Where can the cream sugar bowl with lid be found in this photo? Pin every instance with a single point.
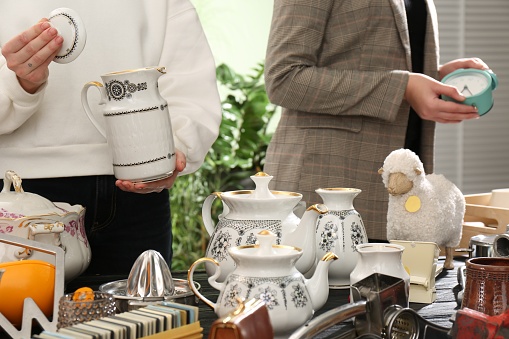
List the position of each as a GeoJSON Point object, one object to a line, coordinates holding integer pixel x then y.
{"type": "Point", "coordinates": [34, 217]}
{"type": "Point", "coordinates": [247, 212]}
{"type": "Point", "coordinates": [267, 271]}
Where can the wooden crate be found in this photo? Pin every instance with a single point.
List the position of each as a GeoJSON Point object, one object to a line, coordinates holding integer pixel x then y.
{"type": "Point", "coordinates": [480, 218]}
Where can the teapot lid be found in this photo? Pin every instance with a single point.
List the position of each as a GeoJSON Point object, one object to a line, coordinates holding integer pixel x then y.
{"type": "Point", "coordinates": [18, 203]}
{"type": "Point", "coordinates": [261, 180]}
{"type": "Point", "coordinates": [262, 191]}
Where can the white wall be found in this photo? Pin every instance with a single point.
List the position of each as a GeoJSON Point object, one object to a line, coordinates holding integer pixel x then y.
{"type": "Point", "coordinates": [474, 154]}
{"type": "Point", "coordinates": [237, 30]}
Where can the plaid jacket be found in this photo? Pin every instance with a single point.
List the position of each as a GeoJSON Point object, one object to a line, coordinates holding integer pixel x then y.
{"type": "Point", "coordinates": [339, 69]}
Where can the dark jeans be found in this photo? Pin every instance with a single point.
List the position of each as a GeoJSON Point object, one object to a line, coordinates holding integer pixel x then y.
{"type": "Point", "coordinates": [119, 225]}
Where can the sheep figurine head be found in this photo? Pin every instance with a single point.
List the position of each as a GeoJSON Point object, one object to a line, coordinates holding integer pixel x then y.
{"type": "Point", "coordinates": [422, 207]}
{"type": "Point", "coordinates": [401, 169]}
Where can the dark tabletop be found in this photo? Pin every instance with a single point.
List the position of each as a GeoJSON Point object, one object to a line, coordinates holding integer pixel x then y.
{"type": "Point", "coordinates": [438, 313]}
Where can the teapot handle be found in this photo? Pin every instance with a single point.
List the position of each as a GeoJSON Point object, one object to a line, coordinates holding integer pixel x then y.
{"type": "Point", "coordinates": [35, 228]}
{"type": "Point", "coordinates": [206, 212]}
{"type": "Point", "coordinates": [86, 106]}
{"type": "Point", "coordinates": [212, 280]}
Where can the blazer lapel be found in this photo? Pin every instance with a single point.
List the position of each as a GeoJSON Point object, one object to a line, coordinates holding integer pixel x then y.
{"type": "Point", "coordinates": [398, 8]}
{"type": "Point", "coordinates": [431, 50]}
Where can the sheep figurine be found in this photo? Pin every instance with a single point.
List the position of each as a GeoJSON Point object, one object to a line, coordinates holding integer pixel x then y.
{"type": "Point", "coordinates": [422, 207]}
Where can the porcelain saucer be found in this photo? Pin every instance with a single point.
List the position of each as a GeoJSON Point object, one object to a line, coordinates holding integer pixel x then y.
{"type": "Point", "coordinates": [71, 28]}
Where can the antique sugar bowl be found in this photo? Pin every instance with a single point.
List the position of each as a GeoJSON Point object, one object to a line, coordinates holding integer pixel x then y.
{"type": "Point", "coordinates": [267, 271]}
{"type": "Point", "coordinates": [33, 217]}
{"type": "Point", "coordinates": [247, 212]}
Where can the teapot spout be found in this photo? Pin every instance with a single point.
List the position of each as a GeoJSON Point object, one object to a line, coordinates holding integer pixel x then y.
{"type": "Point", "coordinates": [318, 284]}
{"type": "Point", "coordinates": [303, 237]}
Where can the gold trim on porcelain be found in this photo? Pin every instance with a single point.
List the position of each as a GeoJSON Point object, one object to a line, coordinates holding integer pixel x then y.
{"type": "Point", "coordinates": [273, 246]}
{"type": "Point", "coordinates": [262, 174]}
{"type": "Point", "coordinates": [28, 218]}
{"type": "Point", "coordinates": [191, 284]}
{"type": "Point", "coordinates": [161, 69]}
{"type": "Point", "coordinates": [95, 83]}
{"type": "Point", "coordinates": [339, 189]}
{"type": "Point", "coordinates": [293, 194]}
{"type": "Point", "coordinates": [318, 208]}
{"type": "Point", "coordinates": [329, 256]}
{"type": "Point", "coordinates": [238, 192]}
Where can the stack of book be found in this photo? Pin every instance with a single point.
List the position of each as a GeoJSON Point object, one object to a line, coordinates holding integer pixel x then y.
{"type": "Point", "coordinates": [165, 320]}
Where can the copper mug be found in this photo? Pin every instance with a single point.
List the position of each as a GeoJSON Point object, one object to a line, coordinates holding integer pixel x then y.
{"type": "Point", "coordinates": [486, 286]}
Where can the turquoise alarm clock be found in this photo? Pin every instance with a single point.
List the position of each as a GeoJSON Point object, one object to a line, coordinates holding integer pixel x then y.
{"type": "Point", "coordinates": [475, 85]}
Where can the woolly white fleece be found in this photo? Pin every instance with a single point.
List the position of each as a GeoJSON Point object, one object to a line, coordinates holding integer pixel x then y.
{"type": "Point", "coordinates": [440, 218]}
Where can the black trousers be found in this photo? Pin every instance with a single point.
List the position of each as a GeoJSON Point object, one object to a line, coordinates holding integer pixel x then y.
{"type": "Point", "coordinates": [119, 225]}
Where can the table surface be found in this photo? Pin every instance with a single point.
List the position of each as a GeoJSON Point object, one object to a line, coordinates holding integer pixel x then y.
{"type": "Point", "coordinates": [438, 313]}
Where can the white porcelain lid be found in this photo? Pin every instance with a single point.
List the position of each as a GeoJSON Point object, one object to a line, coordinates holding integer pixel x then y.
{"type": "Point", "coordinates": [19, 202]}
{"type": "Point", "coordinates": [72, 29]}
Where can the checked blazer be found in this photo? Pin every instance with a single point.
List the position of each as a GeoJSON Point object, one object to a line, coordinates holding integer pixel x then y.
{"type": "Point", "coordinates": [339, 70]}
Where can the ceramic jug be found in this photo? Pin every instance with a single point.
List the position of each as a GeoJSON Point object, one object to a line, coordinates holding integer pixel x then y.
{"type": "Point", "coordinates": [247, 212]}
{"type": "Point", "coordinates": [267, 271]}
{"type": "Point", "coordinates": [340, 230]}
{"type": "Point", "coordinates": [137, 124]}
{"type": "Point", "coordinates": [380, 258]}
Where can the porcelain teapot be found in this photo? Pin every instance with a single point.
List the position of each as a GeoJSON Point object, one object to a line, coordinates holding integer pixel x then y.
{"type": "Point", "coordinates": [267, 271]}
{"type": "Point", "coordinates": [247, 212]}
{"type": "Point", "coordinates": [34, 217]}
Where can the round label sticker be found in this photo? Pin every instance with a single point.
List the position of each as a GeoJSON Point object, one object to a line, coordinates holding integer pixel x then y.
{"type": "Point", "coordinates": [413, 204]}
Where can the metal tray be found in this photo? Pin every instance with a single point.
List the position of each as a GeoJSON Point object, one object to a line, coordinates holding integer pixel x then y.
{"type": "Point", "coordinates": [183, 293]}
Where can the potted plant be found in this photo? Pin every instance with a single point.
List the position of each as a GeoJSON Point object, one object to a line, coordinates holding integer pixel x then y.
{"type": "Point", "coordinates": [238, 153]}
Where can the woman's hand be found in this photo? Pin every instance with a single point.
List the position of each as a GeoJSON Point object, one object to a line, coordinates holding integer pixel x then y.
{"type": "Point", "coordinates": [29, 54]}
{"type": "Point", "coordinates": [423, 94]}
{"type": "Point", "coordinates": [155, 186]}
{"type": "Point", "coordinates": [453, 65]}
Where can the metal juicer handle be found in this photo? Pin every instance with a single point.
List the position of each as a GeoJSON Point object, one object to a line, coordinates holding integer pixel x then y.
{"type": "Point", "coordinates": [329, 319]}
{"type": "Point", "coordinates": [407, 323]}
{"type": "Point", "coordinates": [461, 281]}
{"type": "Point", "coordinates": [399, 322]}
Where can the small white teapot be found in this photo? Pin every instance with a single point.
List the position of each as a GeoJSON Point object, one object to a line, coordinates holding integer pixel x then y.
{"type": "Point", "coordinates": [247, 212]}
{"type": "Point", "coordinates": [267, 272]}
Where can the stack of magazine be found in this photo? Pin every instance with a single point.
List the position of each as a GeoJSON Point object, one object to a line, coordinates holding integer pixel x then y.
{"type": "Point", "coordinates": [165, 320]}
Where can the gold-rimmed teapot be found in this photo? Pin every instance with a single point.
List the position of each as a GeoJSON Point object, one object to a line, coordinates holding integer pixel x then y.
{"type": "Point", "coordinates": [267, 272]}
{"type": "Point", "coordinates": [247, 212]}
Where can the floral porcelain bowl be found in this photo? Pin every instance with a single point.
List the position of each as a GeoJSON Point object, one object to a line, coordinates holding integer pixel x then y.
{"type": "Point", "coordinates": [33, 217]}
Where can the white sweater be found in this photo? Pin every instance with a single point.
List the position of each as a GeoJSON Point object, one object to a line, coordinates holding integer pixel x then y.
{"type": "Point", "coordinates": [47, 134]}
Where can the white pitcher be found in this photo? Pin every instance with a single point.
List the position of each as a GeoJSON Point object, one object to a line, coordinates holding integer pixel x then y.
{"type": "Point", "coordinates": [380, 258]}
{"type": "Point", "coordinates": [138, 125]}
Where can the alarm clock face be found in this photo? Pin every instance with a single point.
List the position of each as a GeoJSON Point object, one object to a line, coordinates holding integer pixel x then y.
{"type": "Point", "coordinates": [469, 84]}
{"type": "Point", "coordinates": [475, 85]}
